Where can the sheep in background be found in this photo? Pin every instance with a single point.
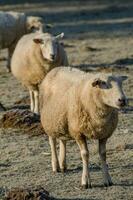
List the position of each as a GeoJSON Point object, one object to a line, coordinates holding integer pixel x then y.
{"type": "Point", "coordinates": [34, 56]}
{"type": "Point", "coordinates": [13, 26]}
{"type": "Point", "coordinates": [77, 105]}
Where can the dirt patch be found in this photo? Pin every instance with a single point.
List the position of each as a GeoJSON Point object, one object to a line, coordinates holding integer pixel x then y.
{"type": "Point", "coordinates": [28, 194]}
{"type": "Point", "coordinates": [23, 119]}
{"type": "Point", "coordinates": [19, 116]}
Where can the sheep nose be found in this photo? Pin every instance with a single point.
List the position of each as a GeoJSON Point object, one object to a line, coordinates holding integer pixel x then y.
{"type": "Point", "coordinates": [122, 102]}
{"type": "Point", "coordinates": [52, 56]}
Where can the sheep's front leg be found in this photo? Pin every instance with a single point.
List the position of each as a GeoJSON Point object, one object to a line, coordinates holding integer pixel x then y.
{"type": "Point", "coordinates": [10, 52]}
{"type": "Point", "coordinates": [36, 98]}
{"type": "Point", "coordinates": [8, 64]}
{"type": "Point", "coordinates": [102, 153]}
{"type": "Point", "coordinates": [32, 102]}
{"type": "Point", "coordinates": [85, 159]}
{"type": "Point", "coordinates": [62, 155]}
{"type": "Point", "coordinates": [55, 163]}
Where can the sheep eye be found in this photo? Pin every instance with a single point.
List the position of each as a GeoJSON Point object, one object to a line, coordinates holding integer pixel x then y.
{"type": "Point", "coordinates": [103, 82]}
{"type": "Point", "coordinates": [43, 43]}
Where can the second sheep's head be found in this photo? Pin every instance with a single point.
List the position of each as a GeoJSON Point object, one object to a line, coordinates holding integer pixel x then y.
{"type": "Point", "coordinates": [111, 90]}
{"type": "Point", "coordinates": [49, 45]}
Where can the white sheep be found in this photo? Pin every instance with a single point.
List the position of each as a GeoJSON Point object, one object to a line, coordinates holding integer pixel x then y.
{"type": "Point", "coordinates": [34, 56]}
{"type": "Point", "coordinates": [13, 25]}
{"type": "Point", "coordinates": [77, 105]}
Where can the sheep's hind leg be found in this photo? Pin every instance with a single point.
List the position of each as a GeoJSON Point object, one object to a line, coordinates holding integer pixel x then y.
{"type": "Point", "coordinates": [8, 64]}
{"type": "Point", "coordinates": [85, 159]}
{"type": "Point", "coordinates": [62, 155]}
{"type": "Point", "coordinates": [55, 163]}
{"type": "Point", "coordinates": [36, 100]}
{"type": "Point", "coordinates": [32, 101]}
{"type": "Point", "coordinates": [10, 52]}
{"type": "Point", "coordinates": [102, 153]}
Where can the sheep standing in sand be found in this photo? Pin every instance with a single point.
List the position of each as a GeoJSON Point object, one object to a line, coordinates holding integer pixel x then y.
{"type": "Point", "coordinates": [13, 26]}
{"type": "Point", "coordinates": [77, 105]}
{"type": "Point", "coordinates": [34, 56]}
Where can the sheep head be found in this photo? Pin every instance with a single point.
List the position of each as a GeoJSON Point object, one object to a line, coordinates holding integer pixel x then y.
{"type": "Point", "coordinates": [34, 24]}
{"type": "Point", "coordinates": [111, 91]}
{"type": "Point", "coordinates": [49, 45]}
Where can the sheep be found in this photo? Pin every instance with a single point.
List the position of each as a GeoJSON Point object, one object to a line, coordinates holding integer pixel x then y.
{"type": "Point", "coordinates": [13, 25]}
{"type": "Point", "coordinates": [34, 56]}
{"type": "Point", "coordinates": [78, 105]}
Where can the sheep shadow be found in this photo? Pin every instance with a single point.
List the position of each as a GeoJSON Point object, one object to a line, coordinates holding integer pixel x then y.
{"type": "Point", "coordinates": [93, 168]}
{"type": "Point", "coordinates": [119, 64]}
{"type": "Point", "coordinates": [124, 61]}
{"type": "Point", "coordinates": [5, 165]}
{"type": "Point", "coordinates": [123, 184]}
{"type": "Point", "coordinates": [97, 168]}
{"type": "Point", "coordinates": [129, 147]}
{"type": "Point", "coordinates": [76, 199]}
{"type": "Point", "coordinates": [107, 67]}
{"type": "Point", "coordinates": [127, 110]}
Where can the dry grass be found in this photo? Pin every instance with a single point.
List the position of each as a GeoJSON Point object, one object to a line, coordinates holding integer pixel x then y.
{"type": "Point", "coordinates": [98, 38]}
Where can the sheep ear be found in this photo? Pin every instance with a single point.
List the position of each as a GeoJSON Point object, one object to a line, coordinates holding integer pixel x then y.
{"type": "Point", "coordinates": [96, 82]}
{"type": "Point", "coordinates": [59, 36]}
{"type": "Point", "coordinates": [32, 28]}
{"type": "Point", "coordinates": [38, 40]}
{"type": "Point", "coordinates": [123, 78]}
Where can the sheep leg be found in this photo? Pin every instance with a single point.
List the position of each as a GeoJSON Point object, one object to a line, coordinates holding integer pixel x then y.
{"type": "Point", "coordinates": [8, 65]}
{"type": "Point", "coordinates": [10, 52]}
{"type": "Point", "coordinates": [62, 155]}
{"type": "Point", "coordinates": [85, 159]}
{"type": "Point", "coordinates": [102, 153]}
{"type": "Point", "coordinates": [9, 61]}
{"type": "Point", "coordinates": [36, 98]}
{"type": "Point", "coordinates": [55, 163]}
{"type": "Point", "coordinates": [31, 100]}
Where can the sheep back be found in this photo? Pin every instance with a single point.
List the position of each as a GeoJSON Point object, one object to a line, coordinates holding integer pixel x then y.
{"type": "Point", "coordinates": [12, 27]}
{"type": "Point", "coordinates": [28, 64]}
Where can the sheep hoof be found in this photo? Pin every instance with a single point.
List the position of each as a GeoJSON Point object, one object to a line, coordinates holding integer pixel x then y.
{"type": "Point", "coordinates": [56, 171]}
{"type": "Point", "coordinates": [85, 186]}
{"type": "Point", "coordinates": [111, 183]}
{"type": "Point", "coordinates": [108, 184]}
{"type": "Point", "coordinates": [63, 170]}
{"type": "Point", "coordinates": [8, 69]}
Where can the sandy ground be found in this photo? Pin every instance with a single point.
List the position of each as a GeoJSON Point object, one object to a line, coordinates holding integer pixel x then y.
{"type": "Point", "coordinates": [98, 37]}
